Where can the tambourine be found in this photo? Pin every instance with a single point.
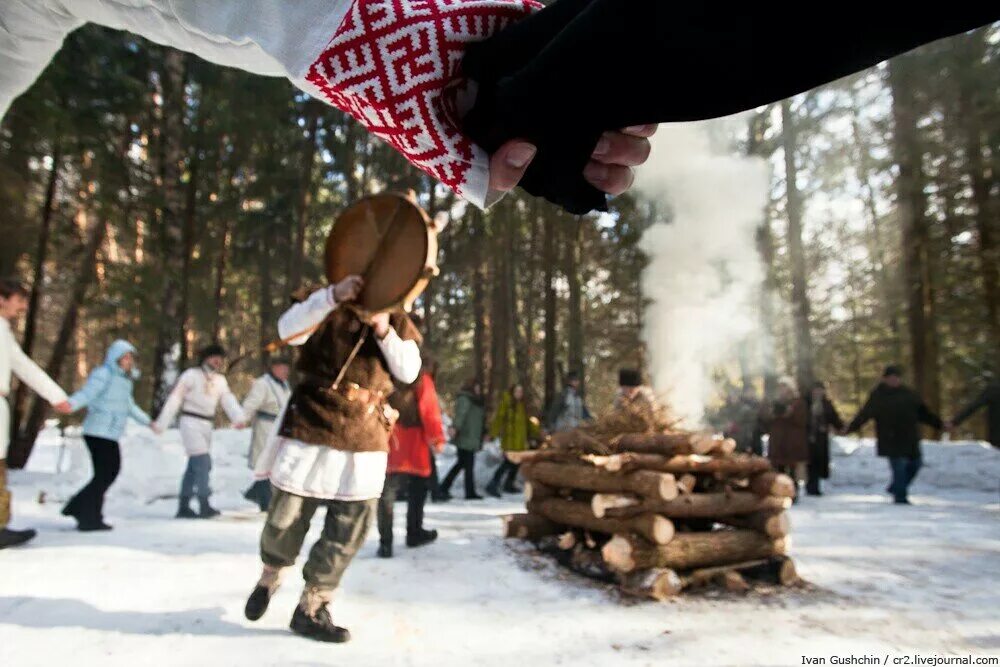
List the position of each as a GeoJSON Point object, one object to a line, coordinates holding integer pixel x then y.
{"type": "Point", "coordinates": [391, 242]}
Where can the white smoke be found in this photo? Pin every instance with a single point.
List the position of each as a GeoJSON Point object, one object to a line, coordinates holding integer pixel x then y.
{"type": "Point", "coordinates": [704, 269]}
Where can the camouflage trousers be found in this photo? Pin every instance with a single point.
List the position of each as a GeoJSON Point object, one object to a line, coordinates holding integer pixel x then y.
{"type": "Point", "coordinates": [4, 496]}
{"type": "Point", "coordinates": [344, 530]}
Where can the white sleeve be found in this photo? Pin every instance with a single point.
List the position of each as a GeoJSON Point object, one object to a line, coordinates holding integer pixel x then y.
{"type": "Point", "coordinates": [305, 316]}
{"type": "Point", "coordinates": [254, 398]}
{"type": "Point", "coordinates": [403, 357]}
{"type": "Point", "coordinates": [32, 375]}
{"type": "Point", "coordinates": [173, 405]}
{"type": "Point", "coordinates": [231, 405]}
{"type": "Point", "coordinates": [30, 35]}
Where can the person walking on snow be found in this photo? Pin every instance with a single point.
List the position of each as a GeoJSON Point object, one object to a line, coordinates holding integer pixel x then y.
{"type": "Point", "coordinates": [416, 437]}
{"type": "Point", "coordinates": [898, 412]}
{"type": "Point", "coordinates": [13, 361]}
{"type": "Point", "coordinates": [467, 433]}
{"type": "Point", "coordinates": [568, 410]}
{"type": "Point", "coordinates": [989, 398]}
{"type": "Point", "coordinates": [331, 446]}
{"type": "Point", "coordinates": [107, 396]}
{"type": "Point", "coordinates": [197, 396]}
{"type": "Point", "coordinates": [515, 427]}
{"type": "Point", "coordinates": [262, 405]}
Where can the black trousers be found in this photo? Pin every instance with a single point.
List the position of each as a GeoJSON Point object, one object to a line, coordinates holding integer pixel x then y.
{"type": "Point", "coordinates": [813, 479]}
{"type": "Point", "coordinates": [416, 497]}
{"type": "Point", "coordinates": [510, 469]}
{"type": "Point", "coordinates": [87, 506]}
{"type": "Point", "coordinates": [466, 464]}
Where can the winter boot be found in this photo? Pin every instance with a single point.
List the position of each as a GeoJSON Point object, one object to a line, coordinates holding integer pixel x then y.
{"type": "Point", "coordinates": [493, 489]}
{"type": "Point", "coordinates": [268, 583]}
{"type": "Point", "coordinates": [205, 510]}
{"type": "Point", "coordinates": [312, 618]}
{"type": "Point", "coordinates": [511, 487]}
{"type": "Point", "coordinates": [184, 510]}
{"type": "Point", "coordinates": [384, 550]}
{"type": "Point", "coordinates": [421, 538]}
{"type": "Point", "coordinates": [92, 526]}
{"type": "Point", "coordinates": [12, 538]}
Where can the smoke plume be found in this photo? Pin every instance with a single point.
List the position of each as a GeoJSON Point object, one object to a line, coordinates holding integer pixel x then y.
{"type": "Point", "coordinates": [704, 270]}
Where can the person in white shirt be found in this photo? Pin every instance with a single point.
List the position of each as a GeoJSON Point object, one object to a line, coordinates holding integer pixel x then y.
{"type": "Point", "coordinates": [331, 445]}
{"type": "Point", "coordinates": [197, 396]}
{"type": "Point", "coordinates": [262, 405]}
{"type": "Point", "coordinates": [13, 362]}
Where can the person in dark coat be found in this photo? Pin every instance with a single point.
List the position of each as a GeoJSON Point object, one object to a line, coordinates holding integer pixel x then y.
{"type": "Point", "coordinates": [823, 417]}
{"type": "Point", "coordinates": [898, 412]}
{"type": "Point", "coordinates": [786, 420]}
{"type": "Point", "coordinates": [989, 399]}
{"type": "Point", "coordinates": [743, 422]}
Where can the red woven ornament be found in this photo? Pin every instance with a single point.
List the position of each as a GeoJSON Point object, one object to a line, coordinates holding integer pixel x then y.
{"type": "Point", "coordinates": [394, 66]}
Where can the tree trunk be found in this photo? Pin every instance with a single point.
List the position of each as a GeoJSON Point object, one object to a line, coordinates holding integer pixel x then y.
{"type": "Point", "coordinates": [308, 160]}
{"type": "Point", "coordinates": [698, 505]}
{"type": "Point", "coordinates": [550, 260]}
{"type": "Point", "coordinates": [656, 529]}
{"type": "Point", "coordinates": [60, 350]}
{"type": "Point", "coordinates": [911, 206]}
{"type": "Point", "coordinates": [574, 334]}
{"type": "Point", "coordinates": [690, 550]}
{"type": "Point", "coordinates": [479, 334]}
{"type": "Point", "coordinates": [971, 107]}
{"type": "Point", "coordinates": [172, 248]}
{"type": "Point", "coordinates": [190, 216]}
{"type": "Point", "coordinates": [800, 296]}
{"type": "Point", "coordinates": [733, 466]}
{"type": "Point", "coordinates": [37, 285]}
{"type": "Point", "coordinates": [647, 483]}
{"type": "Point", "coordinates": [772, 524]}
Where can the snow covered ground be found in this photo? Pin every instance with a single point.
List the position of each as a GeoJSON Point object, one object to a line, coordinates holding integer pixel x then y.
{"type": "Point", "coordinates": [158, 591]}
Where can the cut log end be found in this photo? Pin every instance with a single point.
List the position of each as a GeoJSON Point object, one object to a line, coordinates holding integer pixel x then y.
{"type": "Point", "coordinates": [788, 575]}
{"type": "Point", "coordinates": [617, 553]}
{"type": "Point", "coordinates": [657, 583]}
{"type": "Point", "coordinates": [686, 483]}
{"type": "Point", "coordinates": [600, 503]}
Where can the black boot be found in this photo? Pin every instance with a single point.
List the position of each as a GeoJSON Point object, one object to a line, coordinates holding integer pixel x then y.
{"type": "Point", "coordinates": [262, 592]}
{"type": "Point", "coordinates": [420, 538]}
{"type": "Point", "coordinates": [184, 510]}
{"type": "Point", "coordinates": [511, 487]}
{"type": "Point", "coordinates": [12, 538]}
{"type": "Point", "coordinates": [384, 550]}
{"type": "Point", "coordinates": [92, 526]}
{"type": "Point", "coordinates": [312, 619]}
{"type": "Point", "coordinates": [205, 510]}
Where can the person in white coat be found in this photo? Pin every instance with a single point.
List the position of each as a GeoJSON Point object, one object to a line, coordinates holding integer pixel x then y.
{"type": "Point", "coordinates": [14, 362]}
{"type": "Point", "coordinates": [262, 405]}
{"type": "Point", "coordinates": [197, 396]}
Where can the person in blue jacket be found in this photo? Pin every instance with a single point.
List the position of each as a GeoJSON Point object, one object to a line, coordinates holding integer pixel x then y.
{"type": "Point", "coordinates": [107, 395]}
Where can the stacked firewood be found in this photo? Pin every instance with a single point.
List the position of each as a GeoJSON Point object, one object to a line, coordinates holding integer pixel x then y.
{"type": "Point", "coordinates": [658, 511]}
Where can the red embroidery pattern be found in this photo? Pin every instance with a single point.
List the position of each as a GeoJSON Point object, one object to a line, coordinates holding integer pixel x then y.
{"type": "Point", "coordinates": [390, 65]}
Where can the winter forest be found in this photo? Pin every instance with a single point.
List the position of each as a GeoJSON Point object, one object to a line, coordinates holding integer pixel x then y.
{"type": "Point", "coordinates": [635, 390]}
{"type": "Point", "coordinates": [149, 193]}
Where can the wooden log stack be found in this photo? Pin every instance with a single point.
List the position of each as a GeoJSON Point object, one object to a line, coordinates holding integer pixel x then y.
{"type": "Point", "coordinates": [658, 513]}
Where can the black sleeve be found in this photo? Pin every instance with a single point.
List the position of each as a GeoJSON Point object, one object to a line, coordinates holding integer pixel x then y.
{"type": "Point", "coordinates": [833, 417]}
{"type": "Point", "coordinates": [581, 67]}
{"type": "Point", "coordinates": [867, 412]}
{"type": "Point", "coordinates": [926, 416]}
{"type": "Point", "coordinates": [971, 408]}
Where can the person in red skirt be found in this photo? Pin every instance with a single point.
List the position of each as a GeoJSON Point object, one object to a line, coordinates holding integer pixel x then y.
{"type": "Point", "coordinates": [417, 432]}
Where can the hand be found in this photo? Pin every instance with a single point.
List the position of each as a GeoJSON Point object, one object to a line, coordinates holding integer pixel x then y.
{"type": "Point", "coordinates": [609, 170]}
{"type": "Point", "coordinates": [63, 408]}
{"type": "Point", "coordinates": [348, 289]}
{"type": "Point", "coordinates": [452, 432]}
{"type": "Point", "coordinates": [239, 426]}
{"type": "Point", "coordinates": [949, 425]}
{"type": "Point", "coordinates": [380, 323]}
{"type": "Point", "coordinates": [156, 428]}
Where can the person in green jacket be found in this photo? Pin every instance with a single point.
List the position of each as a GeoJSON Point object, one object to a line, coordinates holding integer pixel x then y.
{"type": "Point", "coordinates": [515, 427]}
{"type": "Point", "coordinates": [467, 431]}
